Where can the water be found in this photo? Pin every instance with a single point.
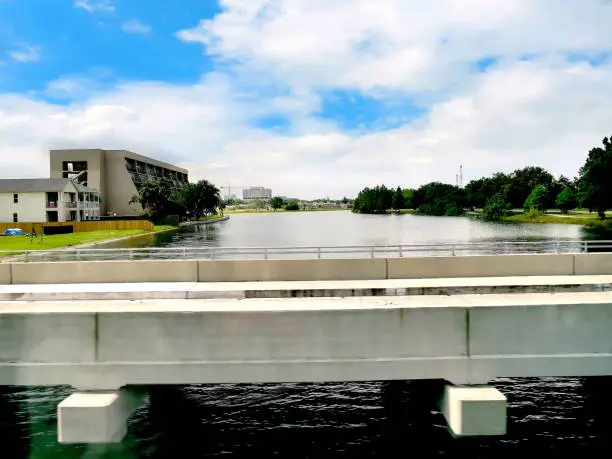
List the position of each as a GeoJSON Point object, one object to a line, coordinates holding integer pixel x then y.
{"type": "Point", "coordinates": [336, 420]}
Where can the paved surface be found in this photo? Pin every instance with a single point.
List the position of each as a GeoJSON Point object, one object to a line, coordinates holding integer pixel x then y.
{"type": "Point", "coordinates": [305, 304]}
{"type": "Point", "coordinates": [244, 290]}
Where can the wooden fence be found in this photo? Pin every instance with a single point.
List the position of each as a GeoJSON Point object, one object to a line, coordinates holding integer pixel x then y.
{"type": "Point", "coordinates": [80, 227]}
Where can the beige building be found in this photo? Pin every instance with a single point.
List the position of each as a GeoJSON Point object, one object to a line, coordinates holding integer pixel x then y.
{"type": "Point", "coordinates": [47, 200]}
{"type": "Point", "coordinates": [256, 193]}
{"type": "Point", "coordinates": [117, 174]}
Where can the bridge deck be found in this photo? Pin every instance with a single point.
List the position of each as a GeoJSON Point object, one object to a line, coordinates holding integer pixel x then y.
{"type": "Point", "coordinates": [105, 345]}
{"type": "Point", "coordinates": [359, 288]}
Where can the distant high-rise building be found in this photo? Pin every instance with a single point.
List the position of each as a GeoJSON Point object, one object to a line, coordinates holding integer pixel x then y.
{"type": "Point", "coordinates": [256, 192]}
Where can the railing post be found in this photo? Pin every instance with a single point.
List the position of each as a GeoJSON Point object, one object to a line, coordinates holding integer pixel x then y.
{"type": "Point", "coordinates": [558, 247]}
{"type": "Point", "coordinates": [372, 252]}
{"type": "Point", "coordinates": [78, 255]}
{"type": "Point", "coordinates": [25, 257]}
{"type": "Point", "coordinates": [400, 251]}
{"type": "Point", "coordinates": [131, 252]}
{"type": "Point", "coordinates": [319, 253]}
{"type": "Point", "coordinates": [184, 253]}
{"type": "Point", "coordinates": [505, 248]}
{"type": "Point", "coordinates": [453, 249]}
{"type": "Point", "coordinates": [265, 254]}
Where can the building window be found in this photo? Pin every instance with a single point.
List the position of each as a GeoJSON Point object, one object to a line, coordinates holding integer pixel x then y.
{"type": "Point", "coordinates": [16, 198]}
{"type": "Point", "coordinates": [15, 218]}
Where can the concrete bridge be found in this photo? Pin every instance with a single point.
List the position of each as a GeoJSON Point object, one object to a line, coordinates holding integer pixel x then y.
{"type": "Point", "coordinates": [109, 328]}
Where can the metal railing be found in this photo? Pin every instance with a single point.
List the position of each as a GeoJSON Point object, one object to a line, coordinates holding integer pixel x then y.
{"type": "Point", "coordinates": [305, 252]}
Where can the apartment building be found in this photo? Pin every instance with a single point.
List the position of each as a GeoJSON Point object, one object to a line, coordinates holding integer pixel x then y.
{"type": "Point", "coordinates": [256, 193]}
{"type": "Point", "coordinates": [117, 174]}
{"type": "Point", "coordinates": [47, 200]}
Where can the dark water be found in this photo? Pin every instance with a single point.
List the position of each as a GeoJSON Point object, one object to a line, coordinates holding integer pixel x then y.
{"type": "Point", "coordinates": [376, 419]}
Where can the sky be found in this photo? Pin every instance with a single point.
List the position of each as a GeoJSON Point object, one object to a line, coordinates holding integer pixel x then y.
{"type": "Point", "coordinates": [312, 98]}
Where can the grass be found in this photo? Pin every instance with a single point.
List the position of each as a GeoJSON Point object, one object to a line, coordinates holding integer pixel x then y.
{"type": "Point", "coordinates": [586, 219]}
{"type": "Point", "coordinates": [69, 240]}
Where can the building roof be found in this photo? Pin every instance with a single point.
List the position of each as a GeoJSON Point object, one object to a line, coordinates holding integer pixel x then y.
{"type": "Point", "coordinates": [84, 189]}
{"type": "Point", "coordinates": [32, 185]}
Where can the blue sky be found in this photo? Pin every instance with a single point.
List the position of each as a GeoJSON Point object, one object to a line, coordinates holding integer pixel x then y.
{"type": "Point", "coordinates": [310, 97]}
{"type": "Point", "coordinates": [72, 40]}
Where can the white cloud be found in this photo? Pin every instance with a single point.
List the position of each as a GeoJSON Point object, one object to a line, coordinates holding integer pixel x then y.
{"type": "Point", "coordinates": [546, 111]}
{"type": "Point", "coordinates": [25, 54]}
{"type": "Point", "coordinates": [135, 26]}
{"type": "Point", "coordinates": [104, 6]}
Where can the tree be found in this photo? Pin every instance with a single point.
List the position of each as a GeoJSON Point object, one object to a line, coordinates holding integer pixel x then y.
{"type": "Point", "coordinates": [202, 198]}
{"type": "Point", "coordinates": [523, 181]}
{"type": "Point", "coordinates": [537, 200]}
{"type": "Point", "coordinates": [398, 199]}
{"type": "Point", "coordinates": [594, 184]}
{"type": "Point", "coordinates": [480, 190]}
{"type": "Point", "coordinates": [292, 205]}
{"type": "Point", "coordinates": [210, 197]}
{"type": "Point", "coordinates": [276, 202]}
{"type": "Point", "coordinates": [373, 200]}
{"type": "Point", "coordinates": [155, 195]}
{"type": "Point", "coordinates": [439, 199]}
{"type": "Point", "coordinates": [408, 193]}
{"type": "Point", "coordinates": [566, 200]}
{"type": "Point", "coordinates": [495, 208]}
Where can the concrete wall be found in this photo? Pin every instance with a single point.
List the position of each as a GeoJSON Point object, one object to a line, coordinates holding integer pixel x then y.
{"type": "Point", "coordinates": [481, 266]}
{"type": "Point", "coordinates": [105, 345]}
{"type": "Point", "coordinates": [593, 263]}
{"type": "Point", "coordinates": [291, 270]}
{"type": "Point", "coordinates": [305, 270]}
{"type": "Point", "coordinates": [104, 271]}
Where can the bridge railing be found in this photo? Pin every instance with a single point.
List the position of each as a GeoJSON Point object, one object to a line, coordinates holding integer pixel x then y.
{"type": "Point", "coordinates": [310, 252]}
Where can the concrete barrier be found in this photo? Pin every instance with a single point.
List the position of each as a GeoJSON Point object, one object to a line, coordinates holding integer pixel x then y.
{"type": "Point", "coordinates": [481, 266]}
{"type": "Point", "coordinates": [105, 272]}
{"type": "Point", "coordinates": [5, 273]}
{"type": "Point", "coordinates": [593, 263]}
{"type": "Point", "coordinates": [291, 270]}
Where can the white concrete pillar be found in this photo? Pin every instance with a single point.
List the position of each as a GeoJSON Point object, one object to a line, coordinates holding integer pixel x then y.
{"type": "Point", "coordinates": [474, 410]}
{"type": "Point", "coordinates": [96, 416]}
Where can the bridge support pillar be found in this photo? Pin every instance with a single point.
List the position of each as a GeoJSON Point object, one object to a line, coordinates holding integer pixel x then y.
{"type": "Point", "coordinates": [96, 417]}
{"type": "Point", "coordinates": [474, 410]}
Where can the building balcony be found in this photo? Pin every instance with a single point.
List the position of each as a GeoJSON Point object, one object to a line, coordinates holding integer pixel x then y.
{"type": "Point", "coordinates": [70, 204]}
{"type": "Point", "coordinates": [51, 204]}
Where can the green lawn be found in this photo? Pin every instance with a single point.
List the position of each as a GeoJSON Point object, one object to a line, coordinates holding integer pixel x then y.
{"type": "Point", "coordinates": [585, 219]}
{"type": "Point", "coordinates": [67, 240]}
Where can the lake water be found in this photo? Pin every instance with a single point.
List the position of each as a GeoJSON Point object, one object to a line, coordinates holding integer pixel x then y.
{"type": "Point", "coordinates": [376, 419]}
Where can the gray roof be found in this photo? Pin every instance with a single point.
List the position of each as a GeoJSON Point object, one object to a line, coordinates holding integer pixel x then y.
{"type": "Point", "coordinates": [32, 185]}
{"type": "Point", "coordinates": [84, 189]}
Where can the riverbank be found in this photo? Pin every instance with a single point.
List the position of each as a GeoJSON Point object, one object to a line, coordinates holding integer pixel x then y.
{"type": "Point", "coordinates": [272, 211]}
{"type": "Point", "coordinates": [204, 221]}
{"type": "Point", "coordinates": [75, 240]}
{"type": "Point", "coordinates": [589, 220]}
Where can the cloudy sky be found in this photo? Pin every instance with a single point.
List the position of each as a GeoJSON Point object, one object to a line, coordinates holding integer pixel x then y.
{"type": "Point", "coordinates": [310, 97]}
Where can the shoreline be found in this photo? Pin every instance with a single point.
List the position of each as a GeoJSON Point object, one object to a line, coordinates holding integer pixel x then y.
{"type": "Point", "coordinates": [89, 245]}
{"type": "Point", "coordinates": [279, 211]}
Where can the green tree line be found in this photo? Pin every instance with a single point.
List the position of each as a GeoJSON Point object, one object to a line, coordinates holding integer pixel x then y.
{"type": "Point", "coordinates": [531, 188]}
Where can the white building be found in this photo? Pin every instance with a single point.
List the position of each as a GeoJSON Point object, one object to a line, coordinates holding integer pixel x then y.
{"type": "Point", "coordinates": [47, 200]}
{"type": "Point", "coordinates": [256, 193]}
